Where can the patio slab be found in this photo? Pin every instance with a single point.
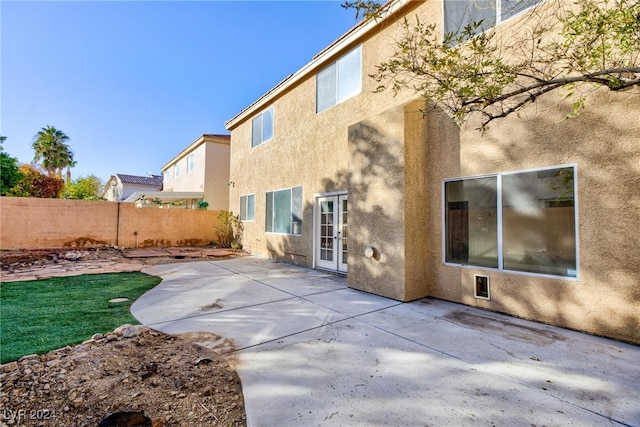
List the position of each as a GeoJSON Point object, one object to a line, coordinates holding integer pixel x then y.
{"type": "Point", "coordinates": [311, 351]}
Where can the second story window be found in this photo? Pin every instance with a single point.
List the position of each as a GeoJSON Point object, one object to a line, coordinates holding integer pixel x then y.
{"type": "Point", "coordinates": [262, 127]}
{"type": "Point", "coordinates": [458, 14]}
{"type": "Point", "coordinates": [190, 163]}
{"type": "Point", "coordinates": [176, 170]}
{"type": "Point", "coordinates": [339, 81]}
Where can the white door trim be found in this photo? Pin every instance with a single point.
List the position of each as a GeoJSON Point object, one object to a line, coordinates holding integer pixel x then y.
{"type": "Point", "coordinates": [335, 229]}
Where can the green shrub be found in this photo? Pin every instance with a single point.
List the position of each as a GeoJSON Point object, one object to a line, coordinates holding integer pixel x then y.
{"type": "Point", "coordinates": [229, 230]}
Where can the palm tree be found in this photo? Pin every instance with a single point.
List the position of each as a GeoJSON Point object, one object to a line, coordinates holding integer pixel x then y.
{"type": "Point", "coordinates": [50, 145]}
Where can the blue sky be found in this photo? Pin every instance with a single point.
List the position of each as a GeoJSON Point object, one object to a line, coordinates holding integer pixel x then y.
{"type": "Point", "coordinates": [132, 83]}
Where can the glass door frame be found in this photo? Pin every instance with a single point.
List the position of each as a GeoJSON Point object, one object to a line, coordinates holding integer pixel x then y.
{"type": "Point", "coordinates": [338, 230]}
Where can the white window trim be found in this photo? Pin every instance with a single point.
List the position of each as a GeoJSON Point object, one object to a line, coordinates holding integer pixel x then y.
{"type": "Point", "coordinates": [500, 268]}
{"type": "Point", "coordinates": [500, 20]}
{"type": "Point", "coordinates": [273, 131]}
{"type": "Point", "coordinates": [254, 207]}
{"type": "Point", "coordinates": [265, 207]}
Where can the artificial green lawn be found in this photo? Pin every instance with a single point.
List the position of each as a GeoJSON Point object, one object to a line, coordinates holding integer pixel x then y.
{"type": "Point", "coordinates": [42, 315]}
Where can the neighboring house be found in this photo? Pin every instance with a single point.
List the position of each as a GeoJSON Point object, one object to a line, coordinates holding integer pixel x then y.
{"type": "Point", "coordinates": [537, 217]}
{"type": "Point", "coordinates": [198, 173]}
{"type": "Point", "coordinates": [120, 186]}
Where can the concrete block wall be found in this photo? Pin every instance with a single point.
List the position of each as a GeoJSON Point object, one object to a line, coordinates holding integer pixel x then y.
{"type": "Point", "coordinates": [33, 223]}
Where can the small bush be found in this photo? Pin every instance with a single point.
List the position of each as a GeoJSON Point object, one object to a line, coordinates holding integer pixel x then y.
{"type": "Point", "coordinates": [229, 230]}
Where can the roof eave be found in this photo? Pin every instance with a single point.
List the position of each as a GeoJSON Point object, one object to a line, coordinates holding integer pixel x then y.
{"type": "Point", "coordinates": [220, 139]}
{"type": "Point", "coordinates": [355, 33]}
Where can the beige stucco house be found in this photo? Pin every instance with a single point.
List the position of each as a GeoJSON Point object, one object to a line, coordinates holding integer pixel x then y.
{"type": "Point", "coordinates": [198, 173]}
{"type": "Point", "coordinates": [537, 217]}
{"type": "Point", "coordinates": [120, 186]}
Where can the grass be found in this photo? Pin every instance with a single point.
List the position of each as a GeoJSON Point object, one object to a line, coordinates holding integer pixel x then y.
{"type": "Point", "coordinates": [42, 315]}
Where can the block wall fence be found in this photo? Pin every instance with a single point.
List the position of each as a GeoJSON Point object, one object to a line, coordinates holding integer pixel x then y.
{"type": "Point", "coordinates": [31, 223]}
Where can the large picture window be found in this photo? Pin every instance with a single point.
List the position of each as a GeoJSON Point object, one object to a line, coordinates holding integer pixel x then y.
{"type": "Point", "coordinates": [339, 81]}
{"type": "Point", "coordinates": [284, 211]}
{"type": "Point", "coordinates": [262, 127]}
{"type": "Point", "coordinates": [247, 207]}
{"type": "Point", "coordinates": [518, 221]}
{"type": "Point", "coordinates": [459, 14]}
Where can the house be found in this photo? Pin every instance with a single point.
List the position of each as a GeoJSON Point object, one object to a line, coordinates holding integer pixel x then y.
{"type": "Point", "coordinates": [197, 178]}
{"type": "Point", "coordinates": [120, 186]}
{"type": "Point", "coordinates": [199, 173]}
{"type": "Point", "coordinates": [536, 217]}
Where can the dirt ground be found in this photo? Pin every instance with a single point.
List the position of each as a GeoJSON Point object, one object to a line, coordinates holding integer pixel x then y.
{"type": "Point", "coordinates": [39, 262]}
{"type": "Point", "coordinates": [134, 376]}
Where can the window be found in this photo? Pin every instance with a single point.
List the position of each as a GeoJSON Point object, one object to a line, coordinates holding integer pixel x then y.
{"type": "Point", "coordinates": [339, 81]}
{"type": "Point", "coordinates": [518, 221]}
{"type": "Point", "coordinates": [472, 221]}
{"type": "Point", "coordinates": [262, 128]}
{"type": "Point", "coordinates": [176, 170]}
{"type": "Point", "coordinates": [458, 14]}
{"type": "Point", "coordinates": [190, 163]}
{"type": "Point", "coordinates": [247, 207]}
{"type": "Point", "coordinates": [284, 211]}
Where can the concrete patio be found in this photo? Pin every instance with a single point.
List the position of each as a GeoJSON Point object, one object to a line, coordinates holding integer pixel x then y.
{"type": "Point", "coordinates": [311, 351]}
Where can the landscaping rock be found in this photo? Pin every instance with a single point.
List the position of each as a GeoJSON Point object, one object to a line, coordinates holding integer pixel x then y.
{"type": "Point", "coordinates": [127, 331]}
{"type": "Point", "coordinates": [73, 256]}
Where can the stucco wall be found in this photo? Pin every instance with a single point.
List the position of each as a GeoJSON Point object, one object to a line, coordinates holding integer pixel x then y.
{"type": "Point", "coordinates": [216, 177]}
{"type": "Point", "coordinates": [392, 153]}
{"type": "Point", "coordinates": [308, 149]}
{"type": "Point", "coordinates": [395, 196]}
{"type": "Point", "coordinates": [193, 180]}
{"type": "Point", "coordinates": [210, 174]}
{"type": "Point", "coordinates": [387, 169]}
{"type": "Point", "coordinates": [376, 205]}
{"type": "Point", "coordinates": [47, 223]}
{"type": "Point", "coordinates": [603, 141]}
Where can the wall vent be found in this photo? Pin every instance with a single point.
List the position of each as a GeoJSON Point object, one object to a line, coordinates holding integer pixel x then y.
{"type": "Point", "coordinates": [481, 287]}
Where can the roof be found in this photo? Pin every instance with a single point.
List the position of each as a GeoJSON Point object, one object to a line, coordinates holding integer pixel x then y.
{"type": "Point", "coordinates": [151, 181]}
{"type": "Point", "coordinates": [205, 137]}
{"type": "Point", "coordinates": [347, 40]}
{"type": "Point", "coordinates": [217, 135]}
